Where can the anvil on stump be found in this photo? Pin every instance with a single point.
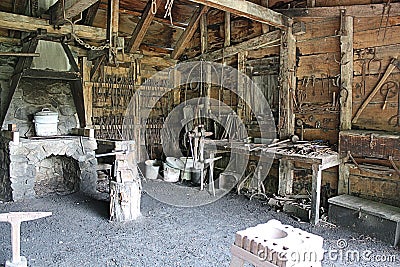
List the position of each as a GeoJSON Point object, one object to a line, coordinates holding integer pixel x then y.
{"type": "Point", "coordinates": [15, 219]}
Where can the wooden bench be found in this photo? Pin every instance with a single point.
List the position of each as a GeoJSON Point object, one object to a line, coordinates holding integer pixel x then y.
{"type": "Point", "coordinates": [367, 217]}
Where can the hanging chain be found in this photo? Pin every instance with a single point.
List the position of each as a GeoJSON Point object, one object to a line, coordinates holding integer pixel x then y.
{"type": "Point", "coordinates": [153, 7]}
{"type": "Point", "coordinates": [168, 10]}
{"type": "Point", "coordinates": [83, 43]}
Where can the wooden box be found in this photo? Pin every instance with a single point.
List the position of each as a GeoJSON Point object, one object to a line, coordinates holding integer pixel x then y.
{"type": "Point", "coordinates": [369, 144]}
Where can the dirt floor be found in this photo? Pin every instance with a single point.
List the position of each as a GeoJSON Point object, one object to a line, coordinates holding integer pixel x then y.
{"type": "Point", "coordinates": [80, 234]}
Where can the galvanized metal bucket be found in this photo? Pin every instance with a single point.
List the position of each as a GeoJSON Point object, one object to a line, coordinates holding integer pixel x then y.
{"type": "Point", "coordinates": [46, 122]}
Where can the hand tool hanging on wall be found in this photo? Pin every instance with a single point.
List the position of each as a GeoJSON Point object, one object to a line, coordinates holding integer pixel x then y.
{"type": "Point", "coordinates": [395, 120]}
{"type": "Point", "coordinates": [373, 60]}
{"type": "Point", "coordinates": [385, 11]}
{"type": "Point", "coordinates": [392, 65]}
{"type": "Point", "coordinates": [364, 56]}
{"type": "Point", "coordinates": [388, 90]}
{"type": "Point", "coordinates": [313, 84]}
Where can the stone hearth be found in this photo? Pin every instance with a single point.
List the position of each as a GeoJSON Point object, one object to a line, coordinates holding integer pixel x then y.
{"type": "Point", "coordinates": [23, 166]}
{"type": "Point", "coordinates": [57, 174]}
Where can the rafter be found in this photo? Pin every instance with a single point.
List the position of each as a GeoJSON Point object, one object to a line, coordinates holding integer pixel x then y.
{"type": "Point", "coordinates": [67, 9]}
{"type": "Point", "coordinates": [249, 10]}
{"type": "Point", "coordinates": [90, 14]}
{"type": "Point", "coordinates": [30, 24]}
{"type": "Point", "coordinates": [141, 28]}
{"type": "Point", "coordinates": [187, 35]}
{"type": "Point", "coordinates": [271, 38]}
{"type": "Point", "coordinates": [134, 13]}
{"type": "Point", "coordinates": [335, 11]}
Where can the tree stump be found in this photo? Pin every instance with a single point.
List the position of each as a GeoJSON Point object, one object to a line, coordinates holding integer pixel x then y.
{"type": "Point", "coordinates": [124, 201]}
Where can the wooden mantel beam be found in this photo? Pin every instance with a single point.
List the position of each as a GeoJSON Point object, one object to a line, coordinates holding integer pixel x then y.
{"type": "Point", "coordinates": [373, 10]}
{"type": "Point", "coordinates": [141, 28]}
{"type": "Point", "coordinates": [187, 35]}
{"type": "Point", "coordinates": [67, 9]}
{"type": "Point", "coordinates": [30, 24]}
{"type": "Point", "coordinates": [249, 10]}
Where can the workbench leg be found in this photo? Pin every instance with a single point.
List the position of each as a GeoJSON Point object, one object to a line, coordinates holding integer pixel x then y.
{"type": "Point", "coordinates": [285, 177]}
{"type": "Point", "coordinates": [344, 174]}
{"type": "Point", "coordinates": [316, 193]}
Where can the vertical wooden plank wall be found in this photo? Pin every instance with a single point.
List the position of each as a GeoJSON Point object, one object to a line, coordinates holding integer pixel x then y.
{"type": "Point", "coordinates": [318, 69]}
{"type": "Point", "coordinates": [376, 42]}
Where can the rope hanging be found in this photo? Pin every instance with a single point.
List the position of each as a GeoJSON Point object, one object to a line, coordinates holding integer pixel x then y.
{"type": "Point", "coordinates": [153, 7]}
{"type": "Point", "coordinates": [168, 10]}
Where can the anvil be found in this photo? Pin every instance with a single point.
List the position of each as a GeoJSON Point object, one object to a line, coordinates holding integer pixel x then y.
{"type": "Point", "coordinates": [15, 219]}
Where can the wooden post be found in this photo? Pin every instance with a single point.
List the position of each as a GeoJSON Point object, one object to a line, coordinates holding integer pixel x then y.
{"type": "Point", "coordinates": [203, 33]}
{"type": "Point", "coordinates": [87, 91]}
{"type": "Point", "coordinates": [310, 3]}
{"type": "Point", "coordinates": [285, 177]}
{"type": "Point", "coordinates": [265, 27]}
{"type": "Point", "coordinates": [208, 84]}
{"type": "Point", "coordinates": [112, 25]}
{"type": "Point", "coordinates": [316, 193]}
{"type": "Point", "coordinates": [241, 105]}
{"type": "Point", "coordinates": [346, 72]}
{"type": "Point", "coordinates": [124, 201]}
{"type": "Point", "coordinates": [343, 183]}
{"type": "Point", "coordinates": [287, 77]}
{"type": "Point", "coordinates": [346, 99]}
{"type": "Point", "coordinates": [227, 28]}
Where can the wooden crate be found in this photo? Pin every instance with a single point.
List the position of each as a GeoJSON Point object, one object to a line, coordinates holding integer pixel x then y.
{"type": "Point", "coordinates": [369, 144]}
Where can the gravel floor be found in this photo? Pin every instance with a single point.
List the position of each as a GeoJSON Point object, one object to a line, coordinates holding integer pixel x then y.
{"type": "Point", "coordinates": [79, 234]}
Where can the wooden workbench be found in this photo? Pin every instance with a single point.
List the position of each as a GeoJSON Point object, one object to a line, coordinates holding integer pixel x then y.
{"type": "Point", "coordinates": [318, 161]}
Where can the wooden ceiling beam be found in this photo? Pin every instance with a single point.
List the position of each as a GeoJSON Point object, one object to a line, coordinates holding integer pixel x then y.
{"type": "Point", "coordinates": [142, 26]}
{"type": "Point", "coordinates": [30, 24]}
{"type": "Point", "coordinates": [90, 14]}
{"type": "Point", "coordinates": [67, 9]}
{"type": "Point", "coordinates": [270, 38]}
{"type": "Point", "coordinates": [177, 24]}
{"type": "Point", "coordinates": [373, 10]}
{"type": "Point", "coordinates": [187, 35]}
{"type": "Point", "coordinates": [249, 10]}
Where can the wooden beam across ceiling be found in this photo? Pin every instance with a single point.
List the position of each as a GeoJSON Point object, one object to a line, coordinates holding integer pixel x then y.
{"type": "Point", "coordinates": [67, 9]}
{"type": "Point", "coordinates": [141, 28]}
{"type": "Point", "coordinates": [90, 14]}
{"type": "Point", "coordinates": [271, 38]}
{"type": "Point", "coordinates": [30, 24]}
{"type": "Point", "coordinates": [373, 10]}
{"type": "Point", "coordinates": [177, 24]}
{"type": "Point", "coordinates": [249, 10]}
{"type": "Point", "coordinates": [187, 35]}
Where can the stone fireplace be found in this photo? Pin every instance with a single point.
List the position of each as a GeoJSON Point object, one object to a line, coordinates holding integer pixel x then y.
{"type": "Point", "coordinates": [33, 166]}
{"type": "Point", "coordinates": [36, 167]}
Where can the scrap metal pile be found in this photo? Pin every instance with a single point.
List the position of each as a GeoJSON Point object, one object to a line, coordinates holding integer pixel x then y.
{"type": "Point", "coordinates": [294, 146]}
{"type": "Point", "coordinates": [312, 148]}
